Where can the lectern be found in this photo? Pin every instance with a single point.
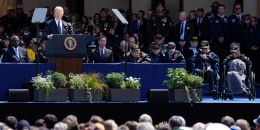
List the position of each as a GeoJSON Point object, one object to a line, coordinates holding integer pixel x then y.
{"type": "Point", "coordinates": [67, 52]}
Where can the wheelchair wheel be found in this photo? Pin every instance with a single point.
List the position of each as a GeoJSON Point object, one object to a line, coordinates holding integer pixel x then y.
{"type": "Point", "coordinates": [253, 90]}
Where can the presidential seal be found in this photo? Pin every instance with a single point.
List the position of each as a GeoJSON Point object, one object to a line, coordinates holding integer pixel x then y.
{"type": "Point", "coordinates": [70, 43]}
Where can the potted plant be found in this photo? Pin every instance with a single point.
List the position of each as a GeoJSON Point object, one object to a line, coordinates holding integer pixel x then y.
{"type": "Point", "coordinates": [50, 87]}
{"type": "Point", "coordinates": [43, 82]}
{"type": "Point", "coordinates": [59, 79]}
{"type": "Point", "coordinates": [122, 88]}
{"type": "Point", "coordinates": [132, 82]}
{"type": "Point", "coordinates": [115, 79]}
{"type": "Point", "coordinates": [87, 87]}
{"type": "Point", "coordinates": [183, 86]}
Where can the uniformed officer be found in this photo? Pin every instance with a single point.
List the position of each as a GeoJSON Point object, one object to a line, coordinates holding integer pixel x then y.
{"type": "Point", "coordinates": [160, 23]}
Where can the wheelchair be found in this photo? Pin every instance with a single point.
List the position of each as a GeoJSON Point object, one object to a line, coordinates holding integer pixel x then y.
{"type": "Point", "coordinates": [216, 80]}
{"type": "Point", "coordinates": [249, 82]}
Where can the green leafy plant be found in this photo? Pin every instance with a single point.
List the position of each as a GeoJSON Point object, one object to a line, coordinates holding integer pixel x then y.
{"type": "Point", "coordinates": [59, 79]}
{"type": "Point", "coordinates": [88, 81]}
{"type": "Point", "coordinates": [115, 80]}
{"type": "Point", "coordinates": [95, 81]}
{"type": "Point", "coordinates": [194, 81]}
{"type": "Point", "coordinates": [179, 78]}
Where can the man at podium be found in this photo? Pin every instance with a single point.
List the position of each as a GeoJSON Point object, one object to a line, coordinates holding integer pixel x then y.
{"type": "Point", "coordinates": [56, 25]}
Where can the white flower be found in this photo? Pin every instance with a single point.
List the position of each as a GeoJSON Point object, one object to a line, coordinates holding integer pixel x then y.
{"type": "Point", "coordinates": [132, 82]}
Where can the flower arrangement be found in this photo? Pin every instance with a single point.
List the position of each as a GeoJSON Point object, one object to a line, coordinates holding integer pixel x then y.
{"type": "Point", "coordinates": [77, 82]}
{"type": "Point", "coordinates": [49, 82]}
{"type": "Point", "coordinates": [132, 82]}
{"type": "Point", "coordinates": [43, 82]}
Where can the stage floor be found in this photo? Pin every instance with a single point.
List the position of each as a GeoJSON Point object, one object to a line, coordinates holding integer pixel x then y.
{"type": "Point", "coordinates": [205, 99]}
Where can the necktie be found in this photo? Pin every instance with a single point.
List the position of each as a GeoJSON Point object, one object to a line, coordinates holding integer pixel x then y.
{"type": "Point", "coordinates": [101, 53]}
{"type": "Point", "coordinates": [239, 20]}
{"type": "Point", "coordinates": [17, 53]}
{"type": "Point", "coordinates": [59, 28]}
{"type": "Point", "coordinates": [182, 31]}
{"type": "Point", "coordinates": [181, 28]}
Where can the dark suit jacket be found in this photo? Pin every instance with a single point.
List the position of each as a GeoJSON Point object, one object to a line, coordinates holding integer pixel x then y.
{"type": "Point", "coordinates": [96, 58]}
{"type": "Point", "coordinates": [52, 28]}
{"type": "Point", "coordinates": [10, 56]}
{"type": "Point", "coordinates": [188, 33]}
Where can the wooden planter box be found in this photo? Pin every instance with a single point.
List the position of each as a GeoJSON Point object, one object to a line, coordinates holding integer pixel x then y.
{"type": "Point", "coordinates": [180, 95]}
{"type": "Point", "coordinates": [57, 95]}
{"type": "Point", "coordinates": [124, 95]}
{"type": "Point", "coordinates": [81, 95]}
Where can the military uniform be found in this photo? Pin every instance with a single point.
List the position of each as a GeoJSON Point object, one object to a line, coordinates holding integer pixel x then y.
{"type": "Point", "coordinates": [205, 66]}
{"type": "Point", "coordinates": [160, 23]}
{"type": "Point", "coordinates": [220, 28]}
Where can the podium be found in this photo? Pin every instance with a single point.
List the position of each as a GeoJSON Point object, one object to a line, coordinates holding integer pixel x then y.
{"type": "Point", "coordinates": [67, 52]}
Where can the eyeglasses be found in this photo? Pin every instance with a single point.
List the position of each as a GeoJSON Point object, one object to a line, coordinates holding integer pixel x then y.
{"type": "Point", "coordinates": [237, 8]}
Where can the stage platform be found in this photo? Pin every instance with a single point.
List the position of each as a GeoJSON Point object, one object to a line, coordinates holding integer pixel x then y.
{"type": "Point", "coordinates": [208, 110]}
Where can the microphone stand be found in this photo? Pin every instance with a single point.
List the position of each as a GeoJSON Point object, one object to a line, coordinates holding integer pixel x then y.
{"type": "Point", "coordinates": [37, 51]}
{"type": "Point", "coordinates": [126, 49]}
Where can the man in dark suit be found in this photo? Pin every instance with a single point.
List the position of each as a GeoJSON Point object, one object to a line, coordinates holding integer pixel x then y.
{"type": "Point", "coordinates": [14, 53]}
{"type": "Point", "coordinates": [56, 25]}
{"type": "Point", "coordinates": [184, 32]}
{"type": "Point", "coordinates": [101, 54]}
{"type": "Point", "coordinates": [235, 21]}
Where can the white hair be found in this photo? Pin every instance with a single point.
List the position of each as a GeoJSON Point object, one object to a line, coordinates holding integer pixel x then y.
{"type": "Point", "coordinates": [145, 118]}
{"type": "Point", "coordinates": [145, 126]}
{"type": "Point", "coordinates": [60, 126]}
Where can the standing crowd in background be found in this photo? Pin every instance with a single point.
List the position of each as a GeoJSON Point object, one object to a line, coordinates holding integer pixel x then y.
{"type": "Point", "coordinates": [149, 37]}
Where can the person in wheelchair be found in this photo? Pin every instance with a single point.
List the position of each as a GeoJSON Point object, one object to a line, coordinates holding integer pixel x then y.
{"type": "Point", "coordinates": [235, 69]}
{"type": "Point", "coordinates": [205, 63]}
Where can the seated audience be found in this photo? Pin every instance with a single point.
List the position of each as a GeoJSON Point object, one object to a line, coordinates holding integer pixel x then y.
{"type": "Point", "coordinates": [204, 65]}
{"type": "Point", "coordinates": [101, 54]}
{"type": "Point", "coordinates": [137, 56]}
{"type": "Point", "coordinates": [156, 55]}
{"type": "Point", "coordinates": [193, 51]}
{"type": "Point", "coordinates": [172, 55]}
{"type": "Point", "coordinates": [236, 64]}
{"type": "Point", "coordinates": [15, 53]}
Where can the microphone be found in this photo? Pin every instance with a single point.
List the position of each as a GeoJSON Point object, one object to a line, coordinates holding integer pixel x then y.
{"type": "Point", "coordinates": [65, 25]}
{"type": "Point", "coordinates": [69, 24]}
{"type": "Point", "coordinates": [68, 27]}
